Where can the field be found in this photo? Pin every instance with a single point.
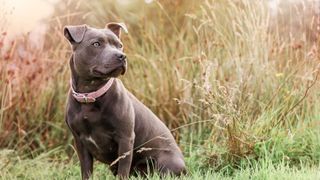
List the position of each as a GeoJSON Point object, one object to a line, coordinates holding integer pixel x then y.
{"type": "Point", "coordinates": [236, 83]}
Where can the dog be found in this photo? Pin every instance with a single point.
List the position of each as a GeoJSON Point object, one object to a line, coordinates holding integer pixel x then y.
{"type": "Point", "coordinates": [109, 123]}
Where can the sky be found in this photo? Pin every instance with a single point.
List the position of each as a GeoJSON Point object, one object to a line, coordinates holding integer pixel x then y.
{"type": "Point", "coordinates": [24, 15]}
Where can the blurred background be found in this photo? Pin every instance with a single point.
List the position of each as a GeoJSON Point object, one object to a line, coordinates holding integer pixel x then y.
{"type": "Point", "coordinates": [235, 80]}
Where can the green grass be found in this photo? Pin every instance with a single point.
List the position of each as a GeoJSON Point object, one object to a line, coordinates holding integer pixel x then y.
{"type": "Point", "coordinates": [291, 157]}
{"type": "Point", "coordinates": [56, 165]}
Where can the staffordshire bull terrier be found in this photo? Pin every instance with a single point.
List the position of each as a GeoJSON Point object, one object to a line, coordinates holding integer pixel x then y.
{"type": "Point", "coordinates": [109, 123]}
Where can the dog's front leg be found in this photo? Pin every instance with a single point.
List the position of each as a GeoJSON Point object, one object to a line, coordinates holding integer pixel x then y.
{"type": "Point", "coordinates": [125, 154]}
{"type": "Point", "coordinates": [86, 159]}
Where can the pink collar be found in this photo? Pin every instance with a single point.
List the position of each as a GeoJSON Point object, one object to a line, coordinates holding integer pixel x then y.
{"type": "Point", "coordinates": [92, 96]}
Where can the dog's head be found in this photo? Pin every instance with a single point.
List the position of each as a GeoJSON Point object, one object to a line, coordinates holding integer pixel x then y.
{"type": "Point", "coordinates": [97, 53]}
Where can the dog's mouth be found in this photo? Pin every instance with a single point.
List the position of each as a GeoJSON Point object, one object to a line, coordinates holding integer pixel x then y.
{"type": "Point", "coordinates": [114, 71]}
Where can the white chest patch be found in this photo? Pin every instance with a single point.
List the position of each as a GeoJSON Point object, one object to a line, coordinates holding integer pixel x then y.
{"type": "Point", "coordinates": [90, 139]}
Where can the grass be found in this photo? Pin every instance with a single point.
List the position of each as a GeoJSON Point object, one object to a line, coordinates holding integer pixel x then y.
{"type": "Point", "coordinates": [56, 165]}
{"type": "Point", "coordinates": [238, 87]}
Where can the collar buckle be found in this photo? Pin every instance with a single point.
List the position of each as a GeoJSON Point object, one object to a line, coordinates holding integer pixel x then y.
{"type": "Point", "coordinates": [83, 98]}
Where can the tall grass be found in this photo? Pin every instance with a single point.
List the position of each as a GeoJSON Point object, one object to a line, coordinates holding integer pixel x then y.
{"type": "Point", "coordinates": [225, 72]}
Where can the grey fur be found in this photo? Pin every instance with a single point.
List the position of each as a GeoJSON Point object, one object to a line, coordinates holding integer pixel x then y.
{"type": "Point", "coordinates": [117, 129]}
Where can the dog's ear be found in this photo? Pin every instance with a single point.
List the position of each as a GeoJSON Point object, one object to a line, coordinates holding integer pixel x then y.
{"type": "Point", "coordinates": [116, 28]}
{"type": "Point", "coordinates": [75, 34]}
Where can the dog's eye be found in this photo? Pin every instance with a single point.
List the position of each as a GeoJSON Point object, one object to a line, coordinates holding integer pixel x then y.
{"type": "Point", "coordinates": [120, 45]}
{"type": "Point", "coordinates": [96, 44]}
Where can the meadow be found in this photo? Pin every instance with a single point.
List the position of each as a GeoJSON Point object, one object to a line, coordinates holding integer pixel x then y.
{"type": "Point", "coordinates": [237, 85]}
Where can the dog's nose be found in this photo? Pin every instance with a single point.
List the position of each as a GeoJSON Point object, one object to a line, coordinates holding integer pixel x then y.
{"type": "Point", "coordinates": [121, 57]}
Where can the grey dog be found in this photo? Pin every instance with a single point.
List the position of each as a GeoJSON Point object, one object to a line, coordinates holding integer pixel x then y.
{"type": "Point", "coordinates": [114, 128]}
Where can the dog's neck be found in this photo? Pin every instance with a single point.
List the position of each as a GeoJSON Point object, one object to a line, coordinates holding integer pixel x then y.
{"type": "Point", "coordinates": [83, 85]}
{"type": "Point", "coordinates": [87, 86]}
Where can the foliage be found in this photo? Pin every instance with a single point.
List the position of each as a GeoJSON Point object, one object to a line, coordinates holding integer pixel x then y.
{"type": "Point", "coordinates": [223, 75]}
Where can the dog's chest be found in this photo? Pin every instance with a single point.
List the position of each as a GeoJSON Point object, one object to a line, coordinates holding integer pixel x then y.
{"type": "Point", "coordinates": [87, 119]}
{"type": "Point", "coordinates": [99, 145]}
{"type": "Point", "coordinates": [94, 131]}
